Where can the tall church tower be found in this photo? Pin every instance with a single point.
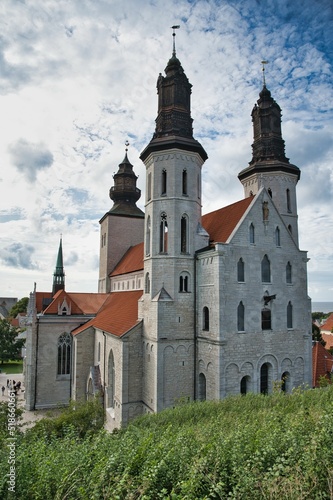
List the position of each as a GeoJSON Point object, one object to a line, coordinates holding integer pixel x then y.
{"type": "Point", "coordinates": [123, 225]}
{"type": "Point", "coordinates": [269, 166]}
{"type": "Point", "coordinates": [59, 273]}
{"type": "Point", "coordinates": [173, 233]}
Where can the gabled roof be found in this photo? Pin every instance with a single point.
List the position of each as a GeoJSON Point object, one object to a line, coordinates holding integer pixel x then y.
{"type": "Point", "coordinates": [40, 300]}
{"type": "Point", "coordinates": [328, 325]}
{"type": "Point", "coordinates": [80, 303]}
{"type": "Point", "coordinates": [117, 316]}
{"type": "Point", "coordinates": [328, 337]}
{"type": "Point", "coordinates": [131, 261]}
{"type": "Point", "coordinates": [322, 363]}
{"type": "Point", "coordinates": [221, 223]}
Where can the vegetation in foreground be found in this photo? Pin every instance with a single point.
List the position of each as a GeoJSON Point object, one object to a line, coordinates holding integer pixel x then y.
{"type": "Point", "coordinates": [250, 447]}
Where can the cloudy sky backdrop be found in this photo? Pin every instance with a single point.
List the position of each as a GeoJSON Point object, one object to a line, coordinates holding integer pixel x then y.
{"type": "Point", "coordinates": [78, 78]}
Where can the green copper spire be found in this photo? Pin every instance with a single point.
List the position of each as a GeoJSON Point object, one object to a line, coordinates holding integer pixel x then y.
{"type": "Point", "coordinates": [59, 274]}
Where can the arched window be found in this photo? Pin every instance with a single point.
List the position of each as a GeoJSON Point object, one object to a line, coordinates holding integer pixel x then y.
{"type": "Point", "coordinates": [289, 315]}
{"type": "Point", "coordinates": [205, 318]}
{"type": "Point", "coordinates": [266, 319]}
{"type": "Point", "coordinates": [277, 237]}
{"type": "Point", "coordinates": [285, 382]}
{"type": "Point", "coordinates": [244, 385]}
{"type": "Point", "coordinates": [111, 380]}
{"type": "Point", "coordinates": [184, 181]}
{"type": "Point", "coordinates": [149, 187]}
{"type": "Point", "coordinates": [288, 201]}
{"type": "Point", "coordinates": [64, 354]}
{"type": "Point", "coordinates": [164, 182]}
{"type": "Point", "coordinates": [264, 373]}
{"type": "Point", "coordinates": [163, 233]}
{"type": "Point", "coordinates": [202, 387]}
{"type": "Point", "coordinates": [265, 270]}
{"type": "Point", "coordinates": [183, 234]}
{"type": "Point", "coordinates": [288, 273]}
{"type": "Point", "coordinates": [148, 236]}
{"type": "Point", "coordinates": [184, 282]}
{"type": "Point", "coordinates": [270, 192]}
{"type": "Point", "coordinates": [240, 270]}
{"type": "Point", "coordinates": [251, 234]}
{"type": "Point", "coordinates": [241, 317]}
{"type": "Point", "coordinates": [147, 283]}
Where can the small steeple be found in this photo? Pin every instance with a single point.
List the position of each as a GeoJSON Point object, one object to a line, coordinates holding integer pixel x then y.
{"type": "Point", "coordinates": [124, 193]}
{"type": "Point", "coordinates": [59, 274]}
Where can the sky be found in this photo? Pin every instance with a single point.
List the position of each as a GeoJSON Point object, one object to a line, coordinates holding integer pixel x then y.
{"type": "Point", "coordinates": [78, 79]}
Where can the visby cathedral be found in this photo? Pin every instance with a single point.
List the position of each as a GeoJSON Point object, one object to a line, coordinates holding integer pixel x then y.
{"type": "Point", "coordinates": [190, 306]}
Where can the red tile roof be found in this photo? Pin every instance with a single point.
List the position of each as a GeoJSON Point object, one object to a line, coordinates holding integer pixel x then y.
{"type": "Point", "coordinates": [39, 299]}
{"type": "Point", "coordinates": [118, 315]}
{"type": "Point", "coordinates": [322, 363]}
{"type": "Point", "coordinates": [131, 261]}
{"type": "Point", "coordinates": [221, 223]}
{"type": "Point", "coordinates": [328, 325]}
{"type": "Point", "coordinates": [328, 339]}
{"type": "Point", "coordinates": [80, 303]}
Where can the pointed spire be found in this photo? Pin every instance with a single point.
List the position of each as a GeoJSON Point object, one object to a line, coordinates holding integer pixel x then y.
{"type": "Point", "coordinates": [124, 193]}
{"type": "Point", "coordinates": [59, 274]}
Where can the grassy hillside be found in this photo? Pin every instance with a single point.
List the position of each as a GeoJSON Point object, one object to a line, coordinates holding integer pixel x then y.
{"type": "Point", "coordinates": [252, 447]}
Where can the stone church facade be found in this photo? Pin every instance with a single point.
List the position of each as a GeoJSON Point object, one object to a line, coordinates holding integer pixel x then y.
{"type": "Point", "coordinates": [190, 306]}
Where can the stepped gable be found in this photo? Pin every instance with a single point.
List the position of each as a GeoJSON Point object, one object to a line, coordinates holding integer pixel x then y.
{"type": "Point", "coordinates": [131, 261]}
{"type": "Point", "coordinates": [221, 223]}
{"type": "Point", "coordinates": [80, 303]}
{"type": "Point", "coordinates": [118, 315]}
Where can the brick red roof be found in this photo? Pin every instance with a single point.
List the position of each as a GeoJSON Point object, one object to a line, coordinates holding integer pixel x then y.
{"type": "Point", "coordinates": [322, 362]}
{"type": "Point", "coordinates": [328, 325]}
{"type": "Point", "coordinates": [118, 315]}
{"type": "Point", "coordinates": [328, 339]}
{"type": "Point", "coordinates": [131, 261]}
{"type": "Point", "coordinates": [80, 303]}
{"type": "Point", "coordinates": [39, 299]}
{"type": "Point", "coordinates": [221, 223]}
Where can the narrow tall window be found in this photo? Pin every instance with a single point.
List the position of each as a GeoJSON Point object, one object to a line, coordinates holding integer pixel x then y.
{"type": "Point", "coordinates": [289, 273]}
{"type": "Point", "coordinates": [240, 270]}
{"type": "Point", "coordinates": [148, 236]}
{"type": "Point", "coordinates": [183, 234]}
{"type": "Point", "coordinates": [265, 270]}
{"type": "Point", "coordinates": [205, 319]}
{"type": "Point", "coordinates": [264, 379]}
{"type": "Point", "coordinates": [184, 181]}
{"type": "Point", "coordinates": [277, 237]}
{"type": "Point", "coordinates": [163, 234]}
{"type": "Point", "coordinates": [244, 383]}
{"type": "Point", "coordinates": [202, 387]}
{"type": "Point", "coordinates": [147, 283]}
{"type": "Point", "coordinates": [266, 319]}
{"type": "Point", "coordinates": [184, 282]}
{"type": "Point", "coordinates": [288, 201]}
{"type": "Point", "coordinates": [270, 192]}
{"type": "Point", "coordinates": [290, 229]}
{"type": "Point", "coordinates": [289, 315]}
{"type": "Point", "coordinates": [164, 182]}
{"type": "Point", "coordinates": [240, 317]}
{"type": "Point", "coordinates": [111, 381]}
{"type": "Point", "coordinates": [149, 187]}
{"type": "Point", "coordinates": [251, 234]}
{"type": "Point", "coordinates": [64, 354]}
{"type": "Point", "coordinates": [99, 352]}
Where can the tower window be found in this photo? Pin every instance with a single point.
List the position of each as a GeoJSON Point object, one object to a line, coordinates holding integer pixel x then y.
{"type": "Point", "coordinates": [288, 201]}
{"type": "Point", "coordinates": [266, 319]}
{"type": "Point", "coordinates": [163, 234]}
{"type": "Point", "coordinates": [244, 385]}
{"type": "Point", "coordinates": [164, 182]}
{"type": "Point", "coordinates": [149, 187]}
{"type": "Point", "coordinates": [111, 380]}
{"type": "Point", "coordinates": [264, 375]}
{"type": "Point", "coordinates": [184, 181]}
{"type": "Point", "coordinates": [184, 282]}
{"type": "Point", "coordinates": [240, 271]}
{"type": "Point", "coordinates": [265, 270]}
{"type": "Point", "coordinates": [251, 234]}
{"type": "Point", "coordinates": [64, 354]}
{"type": "Point", "coordinates": [290, 229]}
{"type": "Point", "coordinates": [289, 315]}
{"type": "Point", "coordinates": [277, 237]}
{"type": "Point", "coordinates": [205, 319]}
{"type": "Point", "coordinates": [241, 317]}
{"type": "Point", "coordinates": [270, 192]}
{"type": "Point", "coordinates": [147, 283]}
{"type": "Point", "coordinates": [289, 273]}
{"type": "Point", "coordinates": [183, 234]}
{"type": "Point", "coordinates": [148, 236]}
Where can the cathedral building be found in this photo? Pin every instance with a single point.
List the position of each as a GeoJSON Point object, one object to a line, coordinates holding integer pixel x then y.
{"type": "Point", "coordinates": [190, 306]}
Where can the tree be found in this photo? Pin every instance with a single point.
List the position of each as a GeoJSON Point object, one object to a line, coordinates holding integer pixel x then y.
{"type": "Point", "coordinates": [10, 345]}
{"type": "Point", "coordinates": [316, 334]}
{"type": "Point", "coordinates": [20, 306]}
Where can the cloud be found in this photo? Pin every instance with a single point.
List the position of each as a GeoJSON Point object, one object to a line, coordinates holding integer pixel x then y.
{"type": "Point", "coordinates": [18, 255]}
{"type": "Point", "coordinates": [11, 215]}
{"type": "Point", "coordinates": [30, 158]}
{"type": "Point", "coordinates": [71, 259]}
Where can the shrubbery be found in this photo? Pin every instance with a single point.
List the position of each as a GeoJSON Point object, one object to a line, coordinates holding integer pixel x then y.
{"type": "Point", "coordinates": [252, 447]}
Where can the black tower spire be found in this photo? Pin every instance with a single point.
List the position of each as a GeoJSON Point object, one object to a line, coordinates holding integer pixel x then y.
{"type": "Point", "coordinates": [59, 274]}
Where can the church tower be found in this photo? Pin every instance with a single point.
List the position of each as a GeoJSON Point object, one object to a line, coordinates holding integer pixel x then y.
{"type": "Point", "coordinates": [269, 166]}
{"type": "Point", "coordinates": [59, 274]}
{"type": "Point", "coordinates": [173, 233]}
{"type": "Point", "coordinates": [122, 226]}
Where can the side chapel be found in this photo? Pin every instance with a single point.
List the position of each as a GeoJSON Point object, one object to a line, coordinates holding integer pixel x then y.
{"type": "Point", "coordinates": [189, 306]}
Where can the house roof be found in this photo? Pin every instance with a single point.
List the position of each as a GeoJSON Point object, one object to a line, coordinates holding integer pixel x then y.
{"type": "Point", "coordinates": [40, 300]}
{"type": "Point", "coordinates": [221, 223]}
{"type": "Point", "coordinates": [131, 261]}
{"type": "Point", "coordinates": [80, 303]}
{"type": "Point", "coordinates": [118, 315]}
{"type": "Point", "coordinates": [322, 363]}
{"type": "Point", "coordinates": [328, 325]}
{"type": "Point", "coordinates": [328, 337]}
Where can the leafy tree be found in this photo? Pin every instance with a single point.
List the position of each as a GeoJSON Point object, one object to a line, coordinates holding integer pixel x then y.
{"type": "Point", "coordinates": [20, 306]}
{"type": "Point", "coordinates": [316, 334]}
{"type": "Point", "coordinates": [10, 345]}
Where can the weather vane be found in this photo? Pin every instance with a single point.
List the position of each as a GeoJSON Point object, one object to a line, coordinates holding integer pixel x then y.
{"type": "Point", "coordinates": [175, 27]}
{"type": "Point", "coordinates": [263, 72]}
{"type": "Point", "coordinates": [126, 144]}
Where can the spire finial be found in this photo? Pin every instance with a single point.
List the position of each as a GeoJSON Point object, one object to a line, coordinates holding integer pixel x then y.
{"type": "Point", "coordinates": [175, 27]}
{"type": "Point", "coordinates": [126, 145]}
{"type": "Point", "coordinates": [263, 72]}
